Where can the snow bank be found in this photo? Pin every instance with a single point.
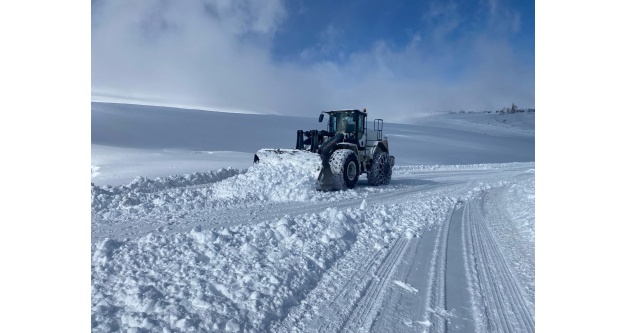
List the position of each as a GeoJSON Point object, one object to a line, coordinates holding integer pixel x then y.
{"type": "Point", "coordinates": [410, 169]}
{"type": "Point", "coordinates": [238, 278]}
{"type": "Point", "coordinates": [520, 205]}
{"type": "Point", "coordinates": [287, 181]}
{"type": "Point", "coordinates": [518, 238]}
{"type": "Point", "coordinates": [141, 189]}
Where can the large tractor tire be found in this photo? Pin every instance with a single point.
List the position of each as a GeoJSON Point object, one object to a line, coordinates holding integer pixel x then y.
{"type": "Point", "coordinates": [344, 166]}
{"type": "Point", "coordinates": [381, 171]}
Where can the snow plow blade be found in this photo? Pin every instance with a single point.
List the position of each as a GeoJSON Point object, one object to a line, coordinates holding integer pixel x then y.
{"type": "Point", "coordinates": [298, 159]}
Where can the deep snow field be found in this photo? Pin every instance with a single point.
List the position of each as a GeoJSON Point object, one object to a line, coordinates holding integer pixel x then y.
{"type": "Point", "coordinates": [189, 236]}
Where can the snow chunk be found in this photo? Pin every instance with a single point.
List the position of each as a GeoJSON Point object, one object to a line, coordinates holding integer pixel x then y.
{"type": "Point", "coordinates": [284, 231]}
{"type": "Point", "coordinates": [249, 249]}
{"type": "Point", "coordinates": [104, 249]}
{"type": "Point", "coordinates": [276, 255]}
{"type": "Point", "coordinates": [363, 204]}
{"type": "Point", "coordinates": [406, 286]}
{"type": "Point", "coordinates": [232, 326]}
{"type": "Point", "coordinates": [284, 221]}
{"type": "Point", "coordinates": [335, 231]}
{"type": "Point", "coordinates": [202, 237]}
{"type": "Point", "coordinates": [183, 323]}
{"type": "Point", "coordinates": [409, 233]}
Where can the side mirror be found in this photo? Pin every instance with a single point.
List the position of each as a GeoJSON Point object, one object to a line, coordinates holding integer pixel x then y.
{"type": "Point", "coordinates": [321, 117]}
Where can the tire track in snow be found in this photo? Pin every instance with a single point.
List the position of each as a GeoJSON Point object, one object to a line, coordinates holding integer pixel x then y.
{"type": "Point", "coordinates": [488, 287]}
{"type": "Point", "coordinates": [503, 227]}
{"type": "Point", "coordinates": [435, 295]}
{"type": "Point", "coordinates": [435, 315]}
{"type": "Point", "coordinates": [458, 269]}
{"type": "Point", "coordinates": [513, 292]}
{"type": "Point", "coordinates": [498, 304]}
{"type": "Point", "coordinates": [422, 266]}
{"type": "Point", "coordinates": [355, 300]}
{"type": "Point", "coordinates": [359, 281]}
{"type": "Point", "coordinates": [362, 315]}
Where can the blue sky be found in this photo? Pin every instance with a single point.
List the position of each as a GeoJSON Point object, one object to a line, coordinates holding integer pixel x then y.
{"type": "Point", "coordinates": [298, 57]}
{"type": "Point", "coordinates": [353, 26]}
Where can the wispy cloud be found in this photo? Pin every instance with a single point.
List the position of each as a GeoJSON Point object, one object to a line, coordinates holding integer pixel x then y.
{"type": "Point", "coordinates": [217, 55]}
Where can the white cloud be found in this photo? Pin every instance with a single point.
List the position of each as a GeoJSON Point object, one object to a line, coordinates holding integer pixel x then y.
{"type": "Point", "coordinates": [216, 55]}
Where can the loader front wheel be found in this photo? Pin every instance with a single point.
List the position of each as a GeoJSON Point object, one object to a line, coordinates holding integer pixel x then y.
{"type": "Point", "coordinates": [344, 165]}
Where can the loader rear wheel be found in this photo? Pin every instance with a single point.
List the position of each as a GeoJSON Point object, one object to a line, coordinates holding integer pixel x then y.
{"type": "Point", "coordinates": [381, 171]}
{"type": "Point", "coordinates": [344, 166]}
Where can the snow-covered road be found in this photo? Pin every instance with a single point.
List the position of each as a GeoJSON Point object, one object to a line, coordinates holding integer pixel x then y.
{"type": "Point", "coordinates": [442, 248]}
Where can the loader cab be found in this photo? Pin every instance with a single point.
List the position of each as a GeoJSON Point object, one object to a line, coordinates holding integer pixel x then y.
{"type": "Point", "coordinates": [352, 123]}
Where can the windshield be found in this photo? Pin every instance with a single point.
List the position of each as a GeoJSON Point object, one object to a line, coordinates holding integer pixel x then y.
{"type": "Point", "coordinates": [342, 122]}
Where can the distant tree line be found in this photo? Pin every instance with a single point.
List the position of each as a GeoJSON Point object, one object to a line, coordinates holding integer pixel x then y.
{"type": "Point", "coordinates": [513, 109]}
{"type": "Point", "coordinates": [505, 110]}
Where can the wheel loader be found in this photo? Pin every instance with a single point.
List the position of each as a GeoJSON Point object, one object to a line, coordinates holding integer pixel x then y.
{"type": "Point", "coordinates": [345, 150]}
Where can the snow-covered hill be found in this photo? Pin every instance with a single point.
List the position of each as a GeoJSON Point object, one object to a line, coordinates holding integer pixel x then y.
{"type": "Point", "coordinates": [131, 140]}
{"type": "Point", "coordinates": [227, 246]}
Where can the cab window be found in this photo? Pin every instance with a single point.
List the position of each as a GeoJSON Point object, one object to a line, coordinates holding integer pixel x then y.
{"type": "Point", "coordinates": [361, 126]}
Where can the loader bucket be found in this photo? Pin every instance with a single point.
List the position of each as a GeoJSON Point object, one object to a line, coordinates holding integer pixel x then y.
{"type": "Point", "coordinates": [297, 159]}
{"type": "Point", "coordinates": [294, 157]}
